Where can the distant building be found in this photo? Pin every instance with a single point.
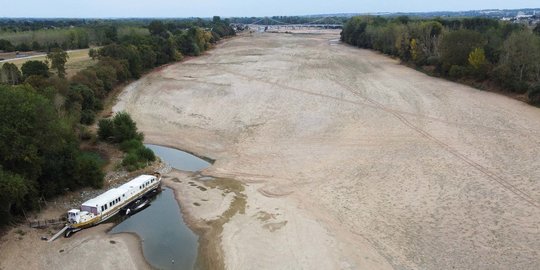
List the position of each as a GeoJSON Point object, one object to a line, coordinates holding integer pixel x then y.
{"type": "Point", "coordinates": [523, 18]}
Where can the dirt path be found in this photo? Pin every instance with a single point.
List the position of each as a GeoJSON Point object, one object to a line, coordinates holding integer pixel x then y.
{"type": "Point", "coordinates": [351, 160]}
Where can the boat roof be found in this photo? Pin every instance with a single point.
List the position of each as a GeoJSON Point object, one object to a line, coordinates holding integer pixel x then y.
{"type": "Point", "coordinates": [139, 180]}
{"type": "Point", "coordinates": [104, 198]}
{"type": "Point", "coordinates": [114, 193]}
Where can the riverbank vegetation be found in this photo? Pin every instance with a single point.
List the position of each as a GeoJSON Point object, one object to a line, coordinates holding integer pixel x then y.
{"type": "Point", "coordinates": [485, 53]}
{"type": "Point", "coordinates": [46, 117]}
{"type": "Point", "coordinates": [122, 130]}
{"type": "Point", "coordinates": [44, 34]}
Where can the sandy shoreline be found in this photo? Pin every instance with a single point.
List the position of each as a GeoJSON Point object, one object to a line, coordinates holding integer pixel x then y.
{"type": "Point", "coordinates": [117, 251]}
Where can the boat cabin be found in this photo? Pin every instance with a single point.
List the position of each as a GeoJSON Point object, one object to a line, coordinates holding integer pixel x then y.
{"type": "Point", "coordinates": [117, 196]}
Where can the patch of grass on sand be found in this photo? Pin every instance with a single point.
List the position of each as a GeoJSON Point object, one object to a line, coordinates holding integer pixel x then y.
{"type": "Point", "coordinates": [210, 253]}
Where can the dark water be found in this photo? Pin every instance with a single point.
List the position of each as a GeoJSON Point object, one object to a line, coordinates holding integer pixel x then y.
{"type": "Point", "coordinates": [179, 160]}
{"type": "Point", "coordinates": [167, 241]}
{"type": "Point", "coordinates": [164, 235]}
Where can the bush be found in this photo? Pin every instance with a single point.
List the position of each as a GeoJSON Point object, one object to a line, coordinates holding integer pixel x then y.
{"type": "Point", "coordinates": [105, 129]}
{"type": "Point", "coordinates": [137, 155]}
{"type": "Point", "coordinates": [146, 154]}
{"type": "Point", "coordinates": [88, 170]}
{"type": "Point", "coordinates": [131, 162]}
{"type": "Point", "coordinates": [457, 72]}
{"type": "Point", "coordinates": [88, 117]}
{"type": "Point", "coordinates": [534, 94]}
{"type": "Point", "coordinates": [433, 61]}
{"type": "Point", "coordinates": [85, 134]}
{"type": "Point", "coordinates": [131, 145]}
{"type": "Point", "coordinates": [32, 67]}
{"type": "Point", "coordinates": [124, 128]}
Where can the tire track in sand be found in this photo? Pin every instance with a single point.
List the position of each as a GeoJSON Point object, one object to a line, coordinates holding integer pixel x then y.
{"type": "Point", "coordinates": [397, 114]}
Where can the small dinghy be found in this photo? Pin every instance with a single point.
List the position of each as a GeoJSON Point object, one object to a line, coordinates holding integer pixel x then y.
{"type": "Point", "coordinates": [136, 206]}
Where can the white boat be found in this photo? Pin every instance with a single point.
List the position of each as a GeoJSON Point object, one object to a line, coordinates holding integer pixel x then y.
{"type": "Point", "coordinates": [108, 204]}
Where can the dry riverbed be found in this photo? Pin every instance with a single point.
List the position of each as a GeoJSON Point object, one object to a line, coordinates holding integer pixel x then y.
{"type": "Point", "coordinates": [327, 157]}
{"type": "Point", "coordinates": [349, 160]}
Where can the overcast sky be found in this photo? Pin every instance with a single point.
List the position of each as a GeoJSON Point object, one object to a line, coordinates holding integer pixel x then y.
{"type": "Point", "coordinates": [229, 8]}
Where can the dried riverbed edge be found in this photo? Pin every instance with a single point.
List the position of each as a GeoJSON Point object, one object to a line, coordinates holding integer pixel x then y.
{"type": "Point", "coordinates": [208, 226]}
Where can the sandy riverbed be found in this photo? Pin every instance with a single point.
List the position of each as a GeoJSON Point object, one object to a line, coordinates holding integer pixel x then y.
{"type": "Point", "coordinates": [347, 160]}
{"type": "Point", "coordinates": [89, 249]}
{"type": "Point", "coordinates": [350, 160]}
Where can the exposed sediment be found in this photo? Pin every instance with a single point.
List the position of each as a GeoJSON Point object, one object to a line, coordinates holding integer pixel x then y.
{"type": "Point", "coordinates": [348, 159]}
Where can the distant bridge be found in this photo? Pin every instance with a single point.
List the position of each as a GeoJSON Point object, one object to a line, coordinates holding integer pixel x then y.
{"type": "Point", "coordinates": [301, 26]}
{"type": "Point", "coordinates": [272, 24]}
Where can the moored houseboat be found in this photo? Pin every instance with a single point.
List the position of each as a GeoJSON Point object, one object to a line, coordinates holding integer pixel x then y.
{"type": "Point", "coordinates": [108, 204]}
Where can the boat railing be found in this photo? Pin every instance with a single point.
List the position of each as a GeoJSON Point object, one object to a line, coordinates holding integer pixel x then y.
{"type": "Point", "coordinates": [46, 222]}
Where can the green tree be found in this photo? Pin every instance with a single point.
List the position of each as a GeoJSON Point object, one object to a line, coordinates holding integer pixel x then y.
{"type": "Point", "coordinates": [128, 53]}
{"type": "Point", "coordinates": [477, 58]}
{"type": "Point", "coordinates": [105, 129]}
{"type": "Point", "coordinates": [5, 45]}
{"type": "Point", "coordinates": [111, 34]}
{"type": "Point", "coordinates": [157, 28]}
{"type": "Point", "coordinates": [93, 53]}
{"type": "Point", "coordinates": [58, 59]}
{"type": "Point", "coordinates": [119, 129]}
{"type": "Point", "coordinates": [33, 67]}
{"type": "Point", "coordinates": [479, 63]}
{"type": "Point", "coordinates": [521, 56]}
{"type": "Point", "coordinates": [106, 74]}
{"type": "Point", "coordinates": [88, 170]}
{"type": "Point", "coordinates": [10, 74]}
{"type": "Point", "coordinates": [534, 94]}
{"type": "Point", "coordinates": [29, 127]}
{"type": "Point", "coordinates": [148, 56]}
{"type": "Point", "coordinates": [90, 78]}
{"type": "Point", "coordinates": [414, 49]}
{"type": "Point", "coordinates": [124, 127]}
{"type": "Point", "coordinates": [13, 189]}
{"type": "Point", "coordinates": [457, 45]}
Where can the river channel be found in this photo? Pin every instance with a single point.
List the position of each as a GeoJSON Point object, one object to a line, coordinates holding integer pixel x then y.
{"type": "Point", "coordinates": [167, 241]}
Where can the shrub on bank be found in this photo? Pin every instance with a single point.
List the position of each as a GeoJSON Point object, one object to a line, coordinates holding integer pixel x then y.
{"type": "Point", "coordinates": [122, 129]}
{"type": "Point", "coordinates": [534, 95]}
{"type": "Point", "coordinates": [138, 158]}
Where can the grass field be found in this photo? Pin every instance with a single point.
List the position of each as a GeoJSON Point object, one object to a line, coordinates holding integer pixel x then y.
{"type": "Point", "coordinates": [78, 60]}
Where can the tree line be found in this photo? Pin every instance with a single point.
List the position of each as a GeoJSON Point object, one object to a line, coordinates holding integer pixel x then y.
{"type": "Point", "coordinates": [44, 116]}
{"type": "Point", "coordinates": [477, 50]}
{"type": "Point", "coordinates": [43, 35]}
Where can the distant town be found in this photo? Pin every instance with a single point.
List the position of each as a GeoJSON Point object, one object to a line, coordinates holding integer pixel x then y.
{"type": "Point", "coordinates": [530, 16]}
